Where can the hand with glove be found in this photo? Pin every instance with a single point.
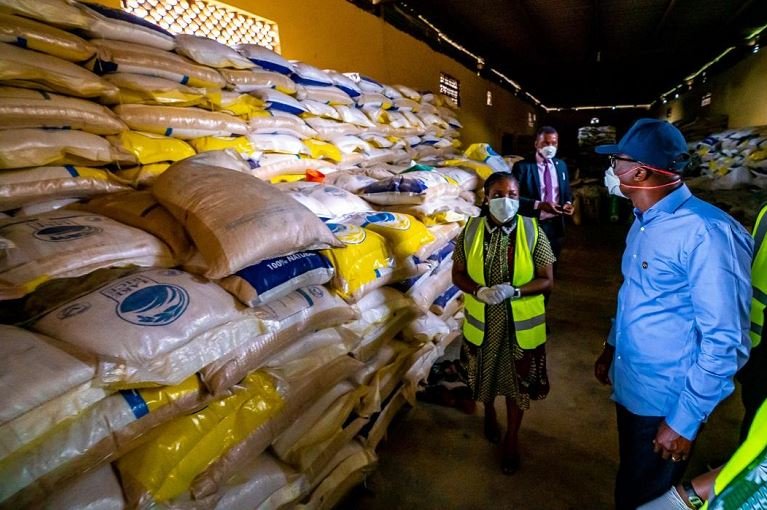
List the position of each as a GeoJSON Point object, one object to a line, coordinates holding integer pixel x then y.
{"type": "Point", "coordinates": [495, 294]}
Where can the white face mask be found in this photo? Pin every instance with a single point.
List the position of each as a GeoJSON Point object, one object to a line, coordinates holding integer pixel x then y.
{"type": "Point", "coordinates": [548, 152]}
{"type": "Point", "coordinates": [613, 183]}
{"type": "Point", "coordinates": [504, 209]}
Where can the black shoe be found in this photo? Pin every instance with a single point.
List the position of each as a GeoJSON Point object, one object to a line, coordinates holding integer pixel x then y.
{"type": "Point", "coordinates": [493, 433]}
{"type": "Point", "coordinates": [510, 464]}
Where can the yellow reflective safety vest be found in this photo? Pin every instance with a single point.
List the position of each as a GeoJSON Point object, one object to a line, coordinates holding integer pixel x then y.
{"type": "Point", "coordinates": [759, 278]}
{"type": "Point", "coordinates": [734, 487]}
{"type": "Point", "coordinates": [528, 312]}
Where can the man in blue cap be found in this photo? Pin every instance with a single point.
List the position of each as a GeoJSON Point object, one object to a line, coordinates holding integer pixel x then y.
{"type": "Point", "coordinates": [681, 327]}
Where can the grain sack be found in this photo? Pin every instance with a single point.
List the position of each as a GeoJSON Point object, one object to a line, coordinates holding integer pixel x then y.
{"type": "Point", "coordinates": [64, 243]}
{"type": "Point", "coordinates": [407, 237]}
{"type": "Point", "coordinates": [447, 303]}
{"type": "Point", "coordinates": [380, 321]}
{"type": "Point", "coordinates": [439, 211]}
{"type": "Point", "coordinates": [43, 38]}
{"type": "Point", "coordinates": [301, 311]}
{"type": "Point", "coordinates": [404, 104]}
{"type": "Point", "coordinates": [437, 261]}
{"type": "Point", "coordinates": [344, 83]}
{"type": "Point", "coordinates": [282, 123]}
{"type": "Point", "coordinates": [374, 100]}
{"type": "Point", "coordinates": [385, 381]}
{"type": "Point", "coordinates": [24, 356]}
{"type": "Point", "coordinates": [336, 201]}
{"type": "Point", "coordinates": [327, 129]}
{"type": "Point", "coordinates": [236, 220]}
{"type": "Point", "coordinates": [313, 350]}
{"type": "Point", "coordinates": [180, 449]}
{"type": "Point", "coordinates": [274, 278]}
{"type": "Point", "coordinates": [141, 176]}
{"type": "Point", "coordinates": [425, 328]}
{"type": "Point", "coordinates": [154, 346]}
{"type": "Point", "coordinates": [141, 210]}
{"type": "Point", "coordinates": [443, 234]}
{"type": "Point", "coordinates": [116, 56]}
{"type": "Point", "coordinates": [142, 89]}
{"type": "Point", "coordinates": [368, 84]}
{"type": "Point", "coordinates": [323, 150]}
{"type": "Point", "coordinates": [102, 433]}
{"type": "Point", "coordinates": [424, 295]}
{"type": "Point", "coordinates": [349, 144]}
{"type": "Point", "coordinates": [150, 148]}
{"type": "Point", "coordinates": [25, 108]}
{"type": "Point", "coordinates": [466, 179]}
{"type": "Point", "coordinates": [279, 101]}
{"type": "Point", "coordinates": [47, 185]}
{"type": "Point", "coordinates": [353, 116]}
{"type": "Point", "coordinates": [98, 489]}
{"type": "Point", "coordinates": [21, 148]}
{"type": "Point", "coordinates": [265, 58]}
{"type": "Point", "coordinates": [378, 431]}
{"type": "Point", "coordinates": [31, 69]}
{"type": "Point", "coordinates": [226, 158]}
{"type": "Point", "coordinates": [264, 483]}
{"type": "Point", "coordinates": [52, 12]}
{"type": "Point", "coordinates": [258, 79]}
{"type": "Point", "coordinates": [239, 144]}
{"type": "Point", "coordinates": [305, 388]}
{"type": "Point", "coordinates": [348, 473]}
{"type": "Point", "coordinates": [419, 367]}
{"type": "Point", "coordinates": [363, 264]}
{"type": "Point", "coordinates": [324, 94]}
{"type": "Point", "coordinates": [117, 25]}
{"type": "Point", "coordinates": [235, 103]}
{"type": "Point", "coordinates": [179, 122]}
{"type": "Point", "coordinates": [209, 52]}
{"type": "Point", "coordinates": [319, 109]}
{"type": "Point", "coordinates": [411, 188]}
{"type": "Point", "coordinates": [306, 74]}
{"type": "Point", "coordinates": [273, 166]}
{"type": "Point", "coordinates": [281, 144]}
{"type": "Point", "coordinates": [385, 355]}
{"type": "Point", "coordinates": [348, 181]}
{"type": "Point", "coordinates": [483, 153]}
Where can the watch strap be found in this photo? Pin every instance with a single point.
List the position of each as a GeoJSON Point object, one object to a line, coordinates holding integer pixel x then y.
{"type": "Point", "coordinates": [692, 496]}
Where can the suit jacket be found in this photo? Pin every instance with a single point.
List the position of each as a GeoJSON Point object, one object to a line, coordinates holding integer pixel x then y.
{"type": "Point", "coordinates": [526, 172]}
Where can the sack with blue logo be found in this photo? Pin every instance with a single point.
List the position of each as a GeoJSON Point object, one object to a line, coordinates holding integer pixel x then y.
{"type": "Point", "coordinates": [423, 295]}
{"type": "Point", "coordinates": [409, 239]}
{"type": "Point", "coordinates": [62, 244]}
{"type": "Point", "coordinates": [447, 303]}
{"type": "Point", "coordinates": [484, 153]}
{"type": "Point", "coordinates": [332, 202]}
{"type": "Point", "coordinates": [170, 325]}
{"type": "Point", "coordinates": [101, 433]}
{"type": "Point", "coordinates": [274, 278]}
{"type": "Point", "coordinates": [311, 308]}
{"type": "Point", "coordinates": [411, 188]}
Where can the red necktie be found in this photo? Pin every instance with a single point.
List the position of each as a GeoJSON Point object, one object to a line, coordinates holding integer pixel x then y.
{"type": "Point", "coordinates": [548, 189]}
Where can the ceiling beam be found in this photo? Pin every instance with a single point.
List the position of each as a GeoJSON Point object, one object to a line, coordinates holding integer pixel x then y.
{"type": "Point", "coordinates": [662, 23]}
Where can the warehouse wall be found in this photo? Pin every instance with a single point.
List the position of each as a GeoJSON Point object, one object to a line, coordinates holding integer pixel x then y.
{"type": "Point", "coordinates": [336, 34]}
{"type": "Point", "coordinates": [740, 92]}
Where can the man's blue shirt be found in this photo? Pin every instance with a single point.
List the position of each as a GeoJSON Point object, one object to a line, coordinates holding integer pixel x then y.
{"type": "Point", "coordinates": [681, 328]}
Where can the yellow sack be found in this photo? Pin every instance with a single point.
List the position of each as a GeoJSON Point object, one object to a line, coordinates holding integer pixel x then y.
{"type": "Point", "coordinates": [181, 449]}
{"type": "Point", "coordinates": [365, 263]}
{"type": "Point", "coordinates": [150, 148]}
{"type": "Point", "coordinates": [287, 178]}
{"type": "Point", "coordinates": [133, 88]}
{"type": "Point", "coordinates": [241, 105]}
{"type": "Point", "coordinates": [44, 38]}
{"type": "Point", "coordinates": [320, 149]}
{"type": "Point", "coordinates": [240, 144]}
{"type": "Point", "coordinates": [142, 175]}
{"type": "Point", "coordinates": [405, 235]}
{"type": "Point", "coordinates": [482, 170]}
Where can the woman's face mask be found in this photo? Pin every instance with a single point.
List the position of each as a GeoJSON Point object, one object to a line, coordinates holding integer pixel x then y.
{"type": "Point", "coordinates": [504, 209]}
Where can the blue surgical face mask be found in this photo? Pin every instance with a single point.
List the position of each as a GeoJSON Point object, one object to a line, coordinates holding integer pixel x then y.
{"type": "Point", "coordinates": [504, 209]}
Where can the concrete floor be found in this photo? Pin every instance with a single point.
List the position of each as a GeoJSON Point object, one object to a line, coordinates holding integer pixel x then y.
{"type": "Point", "coordinates": [437, 458]}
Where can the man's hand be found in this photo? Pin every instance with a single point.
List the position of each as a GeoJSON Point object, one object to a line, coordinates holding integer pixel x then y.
{"type": "Point", "coordinates": [602, 365]}
{"type": "Point", "coordinates": [671, 445]}
{"type": "Point", "coordinates": [568, 209]}
{"type": "Point", "coordinates": [550, 207]}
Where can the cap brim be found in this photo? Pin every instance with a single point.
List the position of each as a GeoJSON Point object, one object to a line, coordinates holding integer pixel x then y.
{"type": "Point", "coordinates": [607, 149]}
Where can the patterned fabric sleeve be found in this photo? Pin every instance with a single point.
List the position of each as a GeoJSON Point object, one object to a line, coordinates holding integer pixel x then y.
{"type": "Point", "coordinates": [543, 254]}
{"type": "Point", "coordinates": [458, 254]}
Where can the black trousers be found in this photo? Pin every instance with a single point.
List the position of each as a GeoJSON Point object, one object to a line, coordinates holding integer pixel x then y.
{"type": "Point", "coordinates": [554, 228]}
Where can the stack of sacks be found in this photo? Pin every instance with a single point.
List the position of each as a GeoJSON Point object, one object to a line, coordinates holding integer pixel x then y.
{"type": "Point", "coordinates": [285, 329]}
{"type": "Point", "coordinates": [591, 136]}
{"type": "Point", "coordinates": [733, 158]}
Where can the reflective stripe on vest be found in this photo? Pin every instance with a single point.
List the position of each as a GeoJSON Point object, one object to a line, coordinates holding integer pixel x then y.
{"type": "Point", "coordinates": [754, 444]}
{"type": "Point", "coordinates": [758, 279]}
{"type": "Point", "coordinates": [528, 312]}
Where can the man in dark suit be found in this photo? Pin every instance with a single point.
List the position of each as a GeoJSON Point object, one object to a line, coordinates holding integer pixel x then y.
{"type": "Point", "coordinates": [544, 187]}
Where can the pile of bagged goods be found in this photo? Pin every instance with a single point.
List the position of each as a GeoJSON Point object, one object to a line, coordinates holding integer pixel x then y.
{"type": "Point", "coordinates": [732, 159]}
{"type": "Point", "coordinates": [222, 272]}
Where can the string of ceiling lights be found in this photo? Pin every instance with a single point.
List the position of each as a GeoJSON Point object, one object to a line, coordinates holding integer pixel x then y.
{"type": "Point", "coordinates": [752, 40]}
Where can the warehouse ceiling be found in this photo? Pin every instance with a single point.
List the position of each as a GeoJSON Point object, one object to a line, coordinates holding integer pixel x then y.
{"type": "Point", "coordinates": [583, 52]}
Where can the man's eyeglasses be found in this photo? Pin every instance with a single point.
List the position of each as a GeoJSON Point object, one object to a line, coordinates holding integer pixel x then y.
{"type": "Point", "coordinates": [614, 159]}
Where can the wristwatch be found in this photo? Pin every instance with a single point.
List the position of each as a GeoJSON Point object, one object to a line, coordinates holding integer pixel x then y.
{"type": "Point", "coordinates": [692, 496]}
{"type": "Point", "coordinates": [517, 293]}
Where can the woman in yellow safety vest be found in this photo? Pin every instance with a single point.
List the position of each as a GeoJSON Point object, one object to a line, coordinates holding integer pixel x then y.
{"type": "Point", "coordinates": [503, 264]}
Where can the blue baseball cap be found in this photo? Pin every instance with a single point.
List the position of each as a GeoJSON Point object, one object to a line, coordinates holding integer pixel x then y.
{"type": "Point", "coordinates": [656, 143]}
